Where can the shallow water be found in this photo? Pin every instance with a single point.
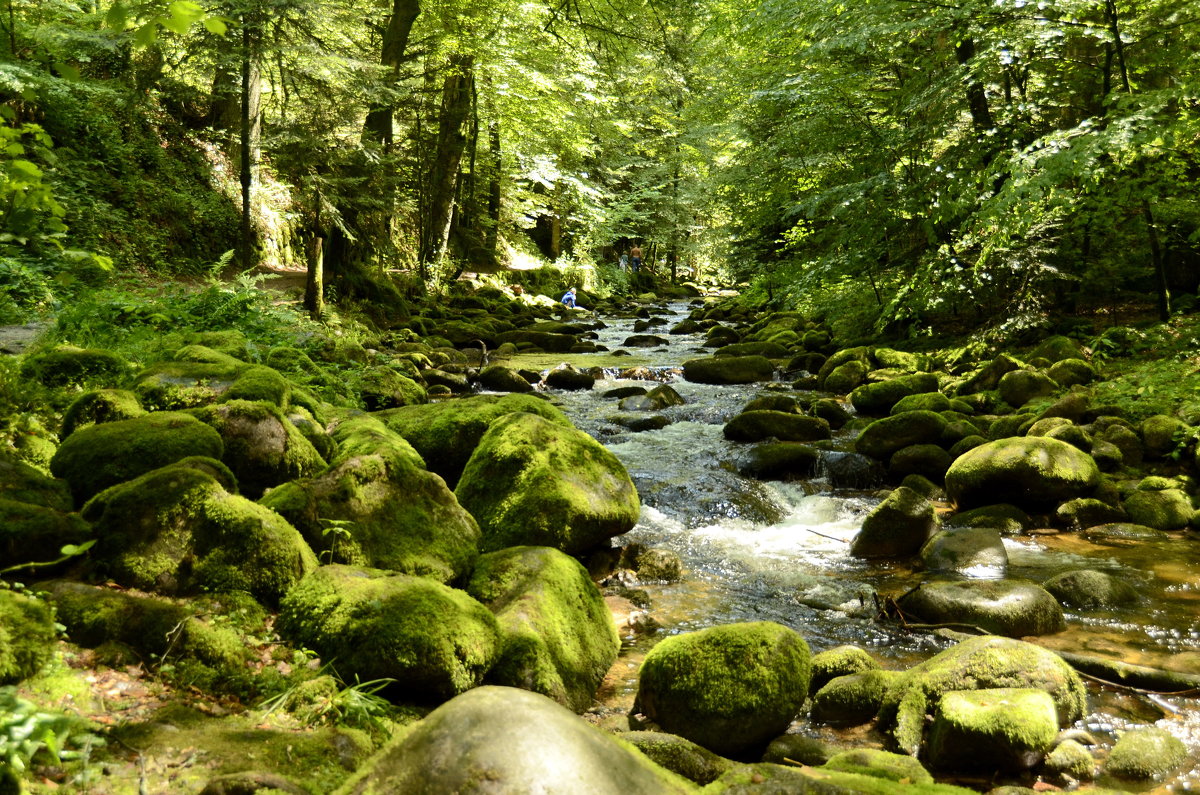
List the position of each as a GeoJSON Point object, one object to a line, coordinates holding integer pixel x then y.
{"type": "Point", "coordinates": [779, 551]}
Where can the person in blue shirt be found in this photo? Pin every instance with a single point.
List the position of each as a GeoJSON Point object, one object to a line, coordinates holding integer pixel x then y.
{"type": "Point", "coordinates": [569, 298]}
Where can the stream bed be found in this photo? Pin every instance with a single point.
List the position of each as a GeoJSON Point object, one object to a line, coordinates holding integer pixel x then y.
{"type": "Point", "coordinates": [779, 551]}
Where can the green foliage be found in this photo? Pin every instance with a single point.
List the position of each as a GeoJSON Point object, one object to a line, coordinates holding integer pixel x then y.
{"type": "Point", "coordinates": [356, 706]}
{"type": "Point", "coordinates": [29, 735]}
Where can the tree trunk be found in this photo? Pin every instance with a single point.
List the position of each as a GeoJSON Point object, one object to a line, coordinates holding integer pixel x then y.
{"type": "Point", "coordinates": [981, 115]}
{"type": "Point", "coordinates": [451, 141]}
{"type": "Point", "coordinates": [1160, 269]}
{"type": "Point", "coordinates": [492, 238]}
{"type": "Point", "coordinates": [246, 156]}
{"type": "Point", "coordinates": [314, 286]}
{"type": "Point", "coordinates": [1110, 12]}
{"type": "Point", "coordinates": [378, 126]}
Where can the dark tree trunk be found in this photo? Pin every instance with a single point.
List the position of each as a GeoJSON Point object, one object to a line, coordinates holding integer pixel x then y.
{"type": "Point", "coordinates": [246, 155]}
{"type": "Point", "coordinates": [1156, 257]}
{"type": "Point", "coordinates": [451, 141]}
{"type": "Point", "coordinates": [492, 239]}
{"type": "Point", "coordinates": [314, 284]}
{"type": "Point", "coordinates": [1110, 13]}
{"type": "Point", "coordinates": [981, 114]}
{"type": "Point", "coordinates": [378, 126]}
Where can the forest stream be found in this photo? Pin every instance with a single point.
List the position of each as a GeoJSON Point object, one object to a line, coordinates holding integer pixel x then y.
{"type": "Point", "coordinates": [779, 551]}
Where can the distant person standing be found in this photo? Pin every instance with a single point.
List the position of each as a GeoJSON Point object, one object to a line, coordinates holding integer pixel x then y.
{"type": "Point", "coordinates": [623, 263]}
{"type": "Point", "coordinates": [635, 258]}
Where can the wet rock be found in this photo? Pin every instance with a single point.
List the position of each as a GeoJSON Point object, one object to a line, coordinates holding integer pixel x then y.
{"type": "Point", "coordinates": [1033, 473]}
{"type": "Point", "coordinates": [261, 447]}
{"type": "Point", "coordinates": [1166, 509]}
{"type": "Point", "coordinates": [179, 530]}
{"type": "Point", "coordinates": [1144, 755]}
{"type": "Point", "coordinates": [978, 664]}
{"type": "Point", "coordinates": [686, 758]}
{"type": "Point", "coordinates": [850, 470]}
{"type": "Point", "coordinates": [386, 510]}
{"type": "Point", "coordinates": [1087, 589]}
{"type": "Point", "coordinates": [625, 392]}
{"type": "Point", "coordinates": [549, 342]}
{"type": "Point", "coordinates": [966, 550]}
{"type": "Point", "coordinates": [727, 688]}
{"type": "Point", "coordinates": [28, 638]}
{"type": "Point", "coordinates": [780, 461]}
{"type": "Point", "coordinates": [568, 377]}
{"type": "Point", "coordinates": [1087, 512]}
{"type": "Point", "coordinates": [928, 460]}
{"type": "Point", "coordinates": [645, 341]}
{"type": "Point", "coordinates": [657, 399]}
{"type": "Point", "coordinates": [658, 565]}
{"type": "Point", "coordinates": [852, 699]}
{"type": "Point", "coordinates": [831, 411]}
{"type": "Point", "coordinates": [1070, 760]}
{"type": "Point", "coordinates": [728, 370]}
{"type": "Point", "coordinates": [98, 406]}
{"type": "Point", "coordinates": [999, 729]}
{"type": "Point", "coordinates": [558, 637]}
{"type": "Point", "coordinates": [641, 422]}
{"type": "Point", "coordinates": [1013, 608]}
{"type": "Point", "coordinates": [839, 661]}
{"type": "Point", "coordinates": [435, 641]}
{"type": "Point", "coordinates": [896, 527]}
{"type": "Point", "coordinates": [532, 481]}
{"type": "Point", "coordinates": [97, 457]}
{"type": "Point", "coordinates": [446, 434]}
{"type": "Point", "coordinates": [1007, 519]}
{"type": "Point", "coordinates": [757, 426]}
{"type": "Point", "coordinates": [846, 377]}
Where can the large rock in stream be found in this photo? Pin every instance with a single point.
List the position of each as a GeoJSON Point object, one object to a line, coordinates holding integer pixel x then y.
{"type": "Point", "coordinates": [504, 740]}
{"type": "Point", "coordinates": [533, 481]}
{"type": "Point", "coordinates": [727, 688]}
{"type": "Point", "coordinates": [1014, 608]}
{"type": "Point", "coordinates": [1034, 473]}
{"type": "Point", "coordinates": [728, 370]}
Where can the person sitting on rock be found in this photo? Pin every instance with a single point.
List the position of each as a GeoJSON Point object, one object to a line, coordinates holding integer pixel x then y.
{"type": "Point", "coordinates": [568, 298]}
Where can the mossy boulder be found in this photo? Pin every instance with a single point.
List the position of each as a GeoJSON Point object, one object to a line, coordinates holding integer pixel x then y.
{"type": "Point", "coordinates": [543, 747]}
{"type": "Point", "coordinates": [27, 636]}
{"type": "Point", "coordinates": [1070, 760]}
{"type": "Point", "coordinates": [927, 460]}
{"type": "Point", "coordinates": [1145, 754]}
{"type": "Point", "coordinates": [261, 446]}
{"type": "Point", "coordinates": [877, 763]}
{"type": "Point", "coordinates": [179, 530]}
{"type": "Point", "coordinates": [34, 533]}
{"type": "Point", "coordinates": [998, 729]}
{"type": "Point", "coordinates": [978, 664]}
{"type": "Point", "coordinates": [558, 636]}
{"type": "Point", "coordinates": [435, 641]}
{"type": "Point", "coordinates": [168, 386]}
{"type": "Point", "coordinates": [1088, 588]}
{"type": "Point", "coordinates": [100, 405]}
{"type": "Point", "coordinates": [728, 370]}
{"type": "Point", "coordinates": [1088, 512]}
{"type": "Point", "coordinates": [896, 527]}
{"type": "Point", "coordinates": [885, 436]}
{"type": "Point", "coordinates": [150, 625]}
{"type": "Point", "coordinates": [988, 377]}
{"type": "Point", "coordinates": [1013, 608]}
{"type": "Point", "coordinates": [660, 397]}
{"type": "Point", "coordinates": [1006, 518]}
{"type": "Point", "coordinates": [831, 411]}
{"type": "Point", "coordinates": [99, 456]}
{"type": "Point", "coordinates": [727, 688]}
{"type": "Point", "coordinates": [892, 359]}
{"type": "Point", "coordinates": [533, 481]}
{"type": "Point", "coordinates": [757, 779]}
{"type": "Point", "coordinates": [1072, 372]}
{"type": "Point", "coordinates": [878, 399]}
{"type": "Point", "coordinates": [1034, 473]}
{"type": "Point", "coordinates": [851, 699]}
{"type": "Point", "coordinates": [846, 377]}
{"type": "Point", "coordinates": [502, 378]}
{"type": "Point", "coordinates": [683, 757]}
{"type": "Point", "coordinates": [1166, 509]}
{"type": "Point", "coordinates": [22, 482]}
{"type": "Point", "coordinates": [839, 661]}
{"type": "Point", "coordinates": [1021, 386]}
{"type": "Point", "coordinates": [757, 426]}
{"type": "Point", "coordinates": [546, 341]}
{"type": "Point", "coordinates": [1124, 439]}
{"type": "Point", "coordinates": [570, 378]}
{"type": "Point", "coordinates": [924, 401]}
{"type": "Point", "coordinates": [385, 388]}
{"type": "Point", "coordinates": [966, 550]}
{"type": "Point", "coordinates": [66, 365]}
{"type": "Point", "coordinates": [376, 505]}
{"type": "Point", "coordinates": [860, 354]}
{"type": "Point", "coordinates": [1163, 434]}
{"type": "Point", "coordinates": [446, 433]}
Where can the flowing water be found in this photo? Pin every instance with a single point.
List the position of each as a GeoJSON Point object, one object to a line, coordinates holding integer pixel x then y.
{"type": "Point", "coordinates": [779, 551]}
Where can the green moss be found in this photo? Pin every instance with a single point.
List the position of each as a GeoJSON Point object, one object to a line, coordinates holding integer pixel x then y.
{"type": "Point", "coordinates": [1032, 472]}
{"type": "Point", "coordinates": [1005, 729]}
{"type": "Point", "coordinates": [1070, 759]}
{"type": "Point", "coordinates": [880, 764]}
{"type": "Point", "coordinates": [728, 370]}
{"type": "Point", "coordinates": [228, 341]}
{"type": "Point", "coordinates": [182, 385]}
{"type": "Point", "coordinates": [1168, 509]}
{"type": "Point", "coordinates": [446, 433]}
{"type": "Point", "coordinates": [881, 397]}
{"type": "Point", "coordinates": [27, 636]}
{"type": "Point", "coordinates": [260, 384]}
{"type": "Point", "coordinates": [196, 352]}
{"type": "Point", "coordinates": [768, 778]}
{"type": "Point", "coordinates": [756, 426]}
{"type": "Point", "coordinates": [1145, 754]}
{"type": "Point", "coordinates": [727, 687]}
{"type": "Point", "coordinates": [885, 436]}
{"type": "Point", "coordinates": [31, 533]}
{"type": "Point", "coordinates": [678, 755]}
{"type": "Point", "coordinates": [66, 365]}
{"type": "Point", "coordinates": [852, 699]}
{"type": "Point", "coordinates": [22, 482]}
{"type": "Point", "coordinates": [533, 481]}
{"type": "Point", "coordinates": [839, 661]}
{"type": "Point", "coordinates": [385, 388]}
{"type": "Point", "coordinates": [100, 405]}
{"type": "Point", "coordinates": [559, 639]}
{"type": "Point", "coordinates": [434, 641]}
{"type": "Point", "coordinates": [924, 401]}
{"type": "Point", "coordinates": [94, 458]}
